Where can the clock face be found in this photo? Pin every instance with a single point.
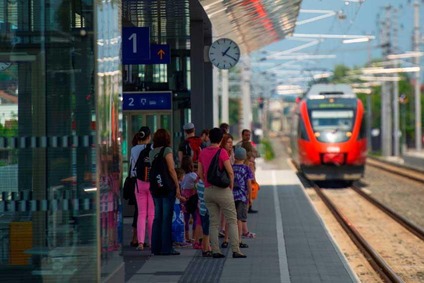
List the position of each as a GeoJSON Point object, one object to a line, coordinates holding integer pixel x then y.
{"type": "Point", "coordinates": [224, 53]}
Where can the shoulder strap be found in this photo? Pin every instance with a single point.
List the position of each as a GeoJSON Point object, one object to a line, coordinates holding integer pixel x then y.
{"type": "Point", "coordinates": [140, 154]}
{"type": "Point", "coordinates": [162, 151]}
{"type": "Point", "coordinates": [216, 156]}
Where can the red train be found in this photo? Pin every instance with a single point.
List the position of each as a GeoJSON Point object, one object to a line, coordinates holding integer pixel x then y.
{"type": "Point", "coordinates": [328, 134]}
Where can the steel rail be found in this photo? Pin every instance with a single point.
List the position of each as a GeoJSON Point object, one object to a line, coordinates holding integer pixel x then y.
{"type": "Point", "coordinates": [411, 227]}
{"type": "Point", "coordinates": [375, 260]}
{"type": "Point", "coordinates": [394, 169]}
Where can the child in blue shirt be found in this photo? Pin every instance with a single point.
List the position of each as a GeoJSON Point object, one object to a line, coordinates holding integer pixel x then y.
{"type": "Point", "coordinates": [242, 190]}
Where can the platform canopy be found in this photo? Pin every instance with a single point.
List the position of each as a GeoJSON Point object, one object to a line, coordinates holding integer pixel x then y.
{"type": "Point", "coordinates": [253, 24]}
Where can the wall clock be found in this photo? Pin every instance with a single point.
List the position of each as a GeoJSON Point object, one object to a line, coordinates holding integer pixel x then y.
{"type": "Point", "coordinates": [224, 53]}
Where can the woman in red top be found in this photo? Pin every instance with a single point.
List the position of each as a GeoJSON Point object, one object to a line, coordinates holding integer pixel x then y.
{"type": "Point", "coordinates": [219, 199]}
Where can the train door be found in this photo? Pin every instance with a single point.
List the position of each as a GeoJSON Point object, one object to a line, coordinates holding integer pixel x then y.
{"type": "Point", "coordinates": [152, 109]}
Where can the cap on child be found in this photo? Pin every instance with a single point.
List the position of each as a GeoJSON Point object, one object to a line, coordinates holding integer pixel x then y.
{"type": "Point", "coordinates": [240, 153]}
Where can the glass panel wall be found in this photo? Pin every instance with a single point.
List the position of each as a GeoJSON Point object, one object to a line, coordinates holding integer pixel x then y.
{"type": "Point", "coordinates": [59, 150]}
{"type": "Point", "coordinates": [108, 90]}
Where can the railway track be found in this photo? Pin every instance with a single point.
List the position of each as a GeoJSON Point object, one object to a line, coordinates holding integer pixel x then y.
{"type": "Point", "coordinates": [397, 169]}
{"type": "Point", "coordinates": [379, 258]}
{"type": "Point", "coordinates": [387, 258]}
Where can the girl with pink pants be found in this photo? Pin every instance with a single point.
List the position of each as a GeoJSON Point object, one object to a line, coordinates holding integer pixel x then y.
{"type": "Point", "coordinates": [146, 212]}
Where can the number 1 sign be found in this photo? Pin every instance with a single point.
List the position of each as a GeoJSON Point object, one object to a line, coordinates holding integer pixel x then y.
{"type": "Point", "coordinates": [135, 45]}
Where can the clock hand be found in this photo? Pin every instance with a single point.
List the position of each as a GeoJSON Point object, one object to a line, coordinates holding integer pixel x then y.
{"type": "Point", "coordinates": [230, 57]}
{"type": "Point", "coordinates": [225, 52]}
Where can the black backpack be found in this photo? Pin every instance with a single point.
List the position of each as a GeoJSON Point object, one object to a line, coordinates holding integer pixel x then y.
{"type": "Point", "coordinates": [142, 166]}
{"type": "Point", "coordinates": [161, 183]}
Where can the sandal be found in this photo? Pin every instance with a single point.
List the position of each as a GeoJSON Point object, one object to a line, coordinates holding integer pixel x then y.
{"type": "Point", "coordinates": [197, 246]}
{"type": "Point", "coordinates": [224, 245]}
{"type": "Point", "coordinates": [243, 245]}
{"type": "Point", "coordinates": [249, 235]}
{"type": "Point", "coordinates": [207, 254]}
{"type": "Point", "coordinates": [140, 247]}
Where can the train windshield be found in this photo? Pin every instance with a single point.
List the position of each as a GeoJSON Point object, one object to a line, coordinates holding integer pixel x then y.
{"type": "Point", "coordinates": [332, 125]}
{"type": "Point", "coordinates": [332, 119]}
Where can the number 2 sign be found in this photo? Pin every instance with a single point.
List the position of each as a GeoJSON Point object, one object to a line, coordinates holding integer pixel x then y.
{"type": "Point", "coordinates": [135, 45]}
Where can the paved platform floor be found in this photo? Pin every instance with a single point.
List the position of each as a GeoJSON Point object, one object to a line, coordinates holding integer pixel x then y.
{"type": "Point", "coordinates": [292, 245]}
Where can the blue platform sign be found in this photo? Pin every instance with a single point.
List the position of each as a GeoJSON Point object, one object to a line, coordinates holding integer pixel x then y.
{"type": "Point", "coordinates": [154, 100]}
{"type": "Point", "coordinates": [159, 54]}
{"type": "Point", "coordinates": [135, 45]}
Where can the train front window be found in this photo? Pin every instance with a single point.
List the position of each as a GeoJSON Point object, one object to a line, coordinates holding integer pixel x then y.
{"type": "Point", "coordinates": [332, 125]}
{"type": "Point", "coordinates": [324, 120]}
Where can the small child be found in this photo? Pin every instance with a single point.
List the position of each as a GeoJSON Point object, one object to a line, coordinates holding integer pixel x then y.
{"type": "Point", "coordinates": [242, 190]}
{"type": "Point", "coordinates": [250, 161]}
{"type": "Point", "coordinates": [178, 218]}
{"type": "Point", "coordinates": [190, 206]}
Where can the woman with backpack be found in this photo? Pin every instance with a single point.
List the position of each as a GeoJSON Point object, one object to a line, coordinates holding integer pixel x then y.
{"type": "Point", "coordinates": [164, 187]}
{"type": "Point", "coordinates": [145, 206]}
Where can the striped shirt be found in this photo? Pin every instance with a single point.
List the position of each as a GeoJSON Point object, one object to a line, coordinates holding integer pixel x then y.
{"type": "Point", "coordinates": [201, 194]}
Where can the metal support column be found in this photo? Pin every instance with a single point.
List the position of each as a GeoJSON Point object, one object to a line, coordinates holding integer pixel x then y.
{"type": "Point", "coordinates": [246, 121]}
{"type": "Point", "coordinates": [396, 135]}
{"type": "Point", "coordinates": [225, 114]}
{"type": "Point", "coordinates": [386, 118]}
{"type": "Point", "coordinates": [418, 123]}
{"type": "Point", "coordinates": [201, 78]}
{"type": "Point", "coordinates": [215, 74]}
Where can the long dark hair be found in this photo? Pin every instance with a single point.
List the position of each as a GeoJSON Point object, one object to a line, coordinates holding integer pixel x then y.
{"type": "Point", "coordinates": [187, 164]}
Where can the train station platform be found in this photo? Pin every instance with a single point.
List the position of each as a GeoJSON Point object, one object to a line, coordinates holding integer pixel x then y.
{"type": "Point", "coordinates": [291, 245]}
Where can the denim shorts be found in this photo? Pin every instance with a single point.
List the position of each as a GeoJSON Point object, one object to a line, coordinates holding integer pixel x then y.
{"type": "Point", "coordinates": [241, 208]}
{"type": "Point", "coordinates": [205, 223]}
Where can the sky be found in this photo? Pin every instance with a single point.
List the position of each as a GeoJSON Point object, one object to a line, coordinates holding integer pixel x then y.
{"type": "Point", "coordinates": [359, 17]}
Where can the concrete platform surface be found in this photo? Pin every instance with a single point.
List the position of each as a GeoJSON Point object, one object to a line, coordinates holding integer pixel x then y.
{"type": "Point", "coordinates": [291, 245]}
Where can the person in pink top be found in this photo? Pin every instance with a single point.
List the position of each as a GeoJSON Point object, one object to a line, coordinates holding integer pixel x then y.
{"type": "Point", "coordinates": [219, 199]}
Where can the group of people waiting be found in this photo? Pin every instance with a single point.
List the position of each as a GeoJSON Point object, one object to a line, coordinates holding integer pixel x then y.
{"type": "Point", "coordinates": [213, 211]}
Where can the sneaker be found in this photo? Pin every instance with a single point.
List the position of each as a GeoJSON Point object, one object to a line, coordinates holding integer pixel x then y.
{"type": "Point", "coordinates": [184, 245]}
{"type": "Point", "coordinates": [252, 211]}
{"type": "Point", "coordinates": [248, 235]}
{"type": "Point", "coordinates": [197, 246]}
{"type": "Point", "coordinates": [207, 254]}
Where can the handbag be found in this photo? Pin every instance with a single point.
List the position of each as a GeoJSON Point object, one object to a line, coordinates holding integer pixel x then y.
{"type": "Point", "coordinates": [129, 187]}
{"type": "Point", "coordinates": [130, 184]}
{"type": "Point", "coordinates": [216, 176]}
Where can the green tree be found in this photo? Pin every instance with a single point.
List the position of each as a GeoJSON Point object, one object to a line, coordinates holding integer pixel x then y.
{"type": "Point", "coordinates": [340, 74]}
